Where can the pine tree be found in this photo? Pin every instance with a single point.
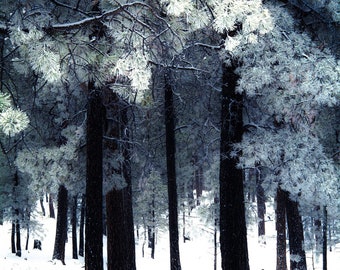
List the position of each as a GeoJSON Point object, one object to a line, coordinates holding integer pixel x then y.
{"type": "Point", "coordinates": [175, 263]}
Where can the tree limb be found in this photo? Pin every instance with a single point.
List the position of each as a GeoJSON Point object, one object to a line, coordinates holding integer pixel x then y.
{"type": "Point", "coordinates": [87, 21]}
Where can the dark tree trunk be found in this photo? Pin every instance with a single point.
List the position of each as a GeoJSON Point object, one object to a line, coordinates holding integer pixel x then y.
{"type": "Point", "coordinates": [81, 227]}
{"type": "Point", "coordinates": [151, 228]}
{"type": "Point", "coordinates": [28, 213]}
{"type": "Point", "coordinates": [295, 233]}
{"type": "Point", "coordinates": [151, 240]}
{"type": "Point", "coordinates": [261, 205]}
{"type": "Point", "coordinates": [13, 238]}
{"type": "Point", "coordinates": [51, 206]}
{"type": "Point", "coordinates": [120, 229]}
{"type": "Point", "coordinates": [318, 230]}
{"type": "Point", "coordinates": [61, 230]}
{"type": "Point", "coordinates": [121, 253]}
{"type": "Point", "coordinates": [18, 238]}
{"type": "Point", "coordinates": [233, 230]}
{"type": "Point", "coordinates": [280, 212]}
{"type": "Point", "coordinates": [74, 228]}
{"type": "Point", "coordinates": [27, 237]}
{"type": "Point", "coordinates": [94, 181]}
{"type": "Point", "coordinates": [42, 205]}
{"type": "Point", "coordinates": [216, 221]}
{"type": "Point", "coordinates": [324, 238]}
{"type": "Point", "coordinates": [1, 217]}
{"type": "Point", "coordinates": [175, 263]}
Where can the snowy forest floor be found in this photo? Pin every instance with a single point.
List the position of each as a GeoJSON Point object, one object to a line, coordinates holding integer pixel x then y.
{"type": "Point", "coordinates": [198, 253]}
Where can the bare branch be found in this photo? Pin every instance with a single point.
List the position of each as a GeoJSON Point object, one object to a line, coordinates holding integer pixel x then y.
{"type": "Point", "coordinates": [76, 8]}
{"type": "Point", "coordinates": [87, 21]}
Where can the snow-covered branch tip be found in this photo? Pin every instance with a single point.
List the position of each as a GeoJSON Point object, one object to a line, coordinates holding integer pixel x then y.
{"type": "Point", "coordinates": [87, 21]}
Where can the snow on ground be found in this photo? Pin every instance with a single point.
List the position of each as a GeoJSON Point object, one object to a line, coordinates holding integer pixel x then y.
{"type": "Point", "coordinates": [198, 253]}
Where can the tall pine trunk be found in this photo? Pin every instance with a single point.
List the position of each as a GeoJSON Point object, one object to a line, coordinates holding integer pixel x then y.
{"type": "Point", "coordinates": [280, 212]}
{"type": "Point", "coordinates": [61, 230]}
{"type": "Point", "coordinates": [324, 239]}
{"type": "Point", "coordinates": [120, 229]}
{"type": "Point", "coordinates": [51, 206]}
{"type": "Point", "coordinates": [13, 237]}
{"type": "Point", "coordinates": [295, 233]}
{"type": "Point", "coordinates": [233, 230]}
{"type": "Point", "coordinates": [18, 238]}
{"type": "Point", "coordinates": [74, 228]}
{"type": "Point", "coordinates": [94, 181]}
{"type": "Point", "coordinates": [261, 205]}
{"type": "Point", "coordinates": [81, 226]}
{"type": "Point", "coordinates": [175, 263]}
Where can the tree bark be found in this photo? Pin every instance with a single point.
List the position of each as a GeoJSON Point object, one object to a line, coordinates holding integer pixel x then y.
{"type": "Point", "coordinates": [233, 230]}
{"type": "Point", "coordinates": [324, 238]}
{"type": "Point", "coordinates": [296, 238]}
{"type": "Point", "coordinates": [61, 230]}
{"type": "Point", "coordinates": [94, 181]}
{"type": "Point", "coordinates": [51, 206]}
{"type": "Point", "coordinates": [42, 205]}
{"type": "Point", "coordinates": [120, 229]}
{"type": "Point", "coordinates": [13, 237]}
{"type": "Point", "coordinates": [175, 263]}
{"type": "Point", "coordinates": [74, 228]}
{"type": "Point", "coordinates": [18, 238]}
{"type": "Point", "coordinates": [261, 205]}
{"type": "Point", "coordinates": [280, 212]}
{"type": "Point", "coordinates": [81, 227]}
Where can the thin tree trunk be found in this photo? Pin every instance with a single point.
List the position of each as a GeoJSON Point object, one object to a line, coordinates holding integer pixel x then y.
{"type": "Point", "coordinates": [81, 227]}
{"type": "Point", "coordinates": [18, 238]}
{"type": "Point", "coordinates": [318, 231]}
{"type": "Point", "coordinates": [175, 263]}
{"type": "Point", "coordinates": [27, 237]}
{"type": "Point", "coordinates": [261, 206]}
{"type": "Point", "coordinates": [74, 228]}
{"type": "Point", "coordinates": [233, 230]}
{"type": "Point", "coordinates": [42, 205]}
{"type": "Point", "coordinates": [324, 238]}
{"type": "Point", "coordinates": [295, 232]}
{"type": "Point", "coordinates": [151, 229]}
{"type": "Point", "coordinates": [280, 212]}
{"type": "Point", "coordinates": [61, 230]}
{"type": "Point", "coordinates": [28, 227]}
{"type": "Point", "coordinates": [216, 201]}
{"type": "Point", "coordinates": [51, 206]}
{"type": "Point", "coordinates": [1, 217]}
{"type": "Point", "coordinates": [94, 181]}
{"type": "Point", "coordinates": [13, 237]}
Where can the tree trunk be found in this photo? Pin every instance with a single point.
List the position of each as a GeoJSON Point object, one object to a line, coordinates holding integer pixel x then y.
{"type": "Point", "coordinates": [13, 238]}
{"type": "Point", "coordinates": [27, 237]}
{"type": "Point", "coordinates": [42, 205]}
{"type": "Point", "coordinates": [295, 233]}
{"type": "Point", "coordinates": [175, 263]}
{"type": "Point", "coordinates": [151, 228]}
{"type": "Point", "coordinates": [81, 227]}
{"type": "Point", "coordinates": [61, 230]}
{"type": "Point", "coordinates": [261, 206]}
{"type": "Point", "coordinates": [233, 230]}
{"type": "Point", "coordinates": [94, 181]}
{"type": "Point", "coordinates": [18, 238]}
{"type": "Point", "coordinates": [318, 231]}
{"type": "Point", "coordinates": [51, 206]}
{"type": "Point", "coordinates": [120, 229]}
{"type": "Point", "coordinates": [74, 228]}
{"type": "Point", "coordinates": [324, 238]}
{"type": "Point", "coordinates": [280, 212]}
